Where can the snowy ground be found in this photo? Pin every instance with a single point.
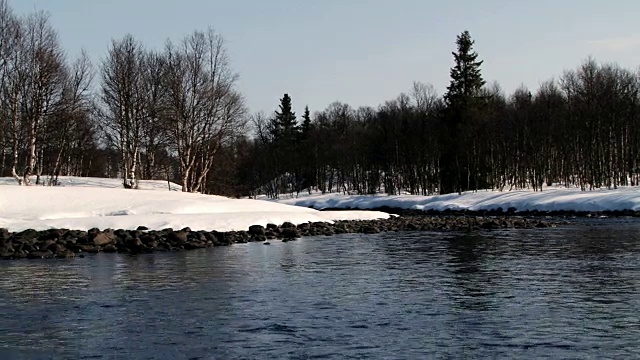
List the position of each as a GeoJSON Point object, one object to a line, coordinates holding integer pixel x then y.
{"type": "Point", "coordinates": [84, 203]}
{"type": "Point", "coordinates": [551, 199]}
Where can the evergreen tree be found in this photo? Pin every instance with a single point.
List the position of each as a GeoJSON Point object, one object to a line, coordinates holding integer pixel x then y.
{"type": "Point", "coordinates": [284, 147]}
{"type": "Point", "coordinates": [460, 162]}
{"type": "Point", "coordinates": [284, 124]}
{"type": "Point", "coordinates": [307, 154]}
{"type": "Point", "coordinates": [306, 122]}
{"type": "Point", "coordinates": [466, 78]}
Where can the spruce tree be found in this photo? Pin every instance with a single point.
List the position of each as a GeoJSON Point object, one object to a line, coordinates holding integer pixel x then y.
{"type": "Point", "coordinates": [285, 126]}
{"type": "Point", "coordinates": [458, 163]}
{"type": "Point", "coordinates": [306, 122]}
{"type": "Point", "coordinates": [285, 142]}
{"type": "Point", "coordinates": [466, 78]}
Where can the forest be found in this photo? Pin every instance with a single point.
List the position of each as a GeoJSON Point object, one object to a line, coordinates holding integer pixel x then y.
{"type": "Point", "coordinates": [177, 113]}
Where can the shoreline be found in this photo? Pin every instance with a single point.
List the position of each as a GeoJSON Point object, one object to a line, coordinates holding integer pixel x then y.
{"type": "Point", "coordinates": [510, 212]}
{"type": "Point", "coordinates": [64, 243]}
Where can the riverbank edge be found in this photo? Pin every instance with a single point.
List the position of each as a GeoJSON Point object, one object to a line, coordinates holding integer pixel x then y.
{"type": "Point", "coordinates": [512, 211]}
{"type": "Point", "coordinates": [64, 243]}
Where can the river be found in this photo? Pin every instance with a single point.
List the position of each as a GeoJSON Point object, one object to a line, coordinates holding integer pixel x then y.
{"type": "Point", "coordinates": [569, 292]}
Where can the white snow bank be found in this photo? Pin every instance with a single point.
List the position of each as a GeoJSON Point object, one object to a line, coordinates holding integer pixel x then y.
{"type": "Point", "coordinates": [161, 185]}
{"type": "Point", "coordinates": [103, 203]}
{"type": "Point", "coordinates": [551, 199]}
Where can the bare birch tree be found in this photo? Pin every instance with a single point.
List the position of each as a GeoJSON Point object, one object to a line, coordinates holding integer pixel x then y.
{"type": "Point", "coordinates": [123, 101]}
{"type": "Point", "coordinates": [45, 68]}
{"type": "Point", "coordinates": [73, 111]}
{"type": "Point", "coordinates": [204, 108]}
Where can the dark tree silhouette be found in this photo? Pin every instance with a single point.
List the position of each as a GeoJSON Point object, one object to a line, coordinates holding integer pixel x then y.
{"type": "Point", "coordinates": [460, 150]}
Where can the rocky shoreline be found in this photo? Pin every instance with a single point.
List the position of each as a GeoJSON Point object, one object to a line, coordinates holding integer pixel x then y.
{"type": "Point", "coordinates": [63, 243]}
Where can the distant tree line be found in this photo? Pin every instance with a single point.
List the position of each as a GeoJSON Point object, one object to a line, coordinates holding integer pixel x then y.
{"type": "Point", "coordinates": [176, 113]}
{"type": "Point", "coordinates": [582, 129]}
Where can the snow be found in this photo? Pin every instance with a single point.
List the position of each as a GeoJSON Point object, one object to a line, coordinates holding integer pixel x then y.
{"type": "Point", "coordinates": [84, 203]}
{"type": "Point", "coordinates": [551, 199]}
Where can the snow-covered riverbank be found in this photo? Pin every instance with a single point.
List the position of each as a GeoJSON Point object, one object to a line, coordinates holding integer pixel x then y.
{"type": "Point", "coordinates": [551, 199]}
{"type": "Point", "coordinates": [84, 203]}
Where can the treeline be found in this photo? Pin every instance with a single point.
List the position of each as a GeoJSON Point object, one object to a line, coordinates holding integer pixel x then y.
{"type": "Point", "coordinates": [581, 129]}
{"type": "Point", "coordinates": [139, 114]}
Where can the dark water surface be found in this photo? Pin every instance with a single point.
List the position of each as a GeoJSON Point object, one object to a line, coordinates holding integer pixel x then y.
{"type": "Point", "coordinates": [572, 292]}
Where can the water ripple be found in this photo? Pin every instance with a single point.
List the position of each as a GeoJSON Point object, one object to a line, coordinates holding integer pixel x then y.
{"type": "Point", "coordinates": [556, 293]}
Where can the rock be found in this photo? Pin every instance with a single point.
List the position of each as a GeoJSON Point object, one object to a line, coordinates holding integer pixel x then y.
{"type": "Point", "coordinates": [4, 234]}
{"type": "Point", "coordinates": [266, 243]}
{"type": "Point", "coordinates": [290, 233]}
{"type": "Point", "coordinates": [43, 245]}
{"type": "Point", "coordinates": [196, 236]}
{"type": "Point", "coordinates": [304, 226]}
{"type": "Point", "coordinates": [412, 226]}
{"type": "Point", "coordinates": [288, 225]}
{"type": "Point", "coordinates": [56, 248]}
{"type": "Point", "coordinates": [211, 237]}
{"type": "Point", "coordinates": [4, 246]}
{"type": "Point", "coordinates": [256, 230]}
{"type": "Point", "coordinates": [29, 236]}
{"type": "Point", "coordinates": [28, 248]}
{"type": "Point", "coordinates": [142, 228]}
{"type": "Point", "coordinates": [243, 235]}
{"type": "Point", "coordinates": [93, 232]}
{"type": "Point", "coordinates": [239, 239]}
{"type": "Point", "coordinates": [148, 238]}
{"type": "Point", "coordinates": [51, 234]}
{"type": "Point", "coordinates": [104, 238]}
{"type": "Point", "coordinates": [369, 229]}
{"type": "Point", "coordinates": [73, 236]}
{"type": "Point", "coordinates": [258, 238]}
{"type": "Point", "coordinates": [134, 245]}
{"type": "Point", "coordinates": [177, 236]}
{"type": "Point", "coordinates": [272, 226]}
{"type": "Point", "coordinates": [6, 251]}
{"type": "Point", "coordinates": [46, 254]}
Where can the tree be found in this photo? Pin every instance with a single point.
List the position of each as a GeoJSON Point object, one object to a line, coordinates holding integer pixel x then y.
{"type": "Point", "coordinates": [305, 127]}
{"type": "Point", "coordinates": [284, 134]}
{"type": "Point", "coordinates": [285, 126]}
{"type": "Point", "coordinates": [459, 144]}
{"type": "Point", "coordinates": [43, 91]}
{"type": "Point", "coordinates": [123, 99]}
{"type": "Point", "coordinates": [204, 110]}
{"type": "Point", "coordinates": [70, 131]}
{"type": "Point", "coordinates": [14, 76]}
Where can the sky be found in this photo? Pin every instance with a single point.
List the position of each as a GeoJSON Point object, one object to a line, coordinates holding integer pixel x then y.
{"type": "Point", "coordinates": [361, 52]}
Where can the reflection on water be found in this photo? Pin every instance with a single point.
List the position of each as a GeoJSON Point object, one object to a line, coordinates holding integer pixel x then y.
{"type": "Point", "coordinates": [571, 292]}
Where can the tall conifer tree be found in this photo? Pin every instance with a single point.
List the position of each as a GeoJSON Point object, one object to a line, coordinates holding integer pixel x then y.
{"type": "Point", "coordinates": [461, 98]}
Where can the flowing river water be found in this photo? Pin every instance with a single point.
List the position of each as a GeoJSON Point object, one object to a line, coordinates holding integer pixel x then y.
{"type": "Point", "coordinates": [569, 292]}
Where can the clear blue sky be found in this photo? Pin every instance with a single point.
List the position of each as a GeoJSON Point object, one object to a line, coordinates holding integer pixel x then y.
{"type": "Point", "coordinates": [362, 52]}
